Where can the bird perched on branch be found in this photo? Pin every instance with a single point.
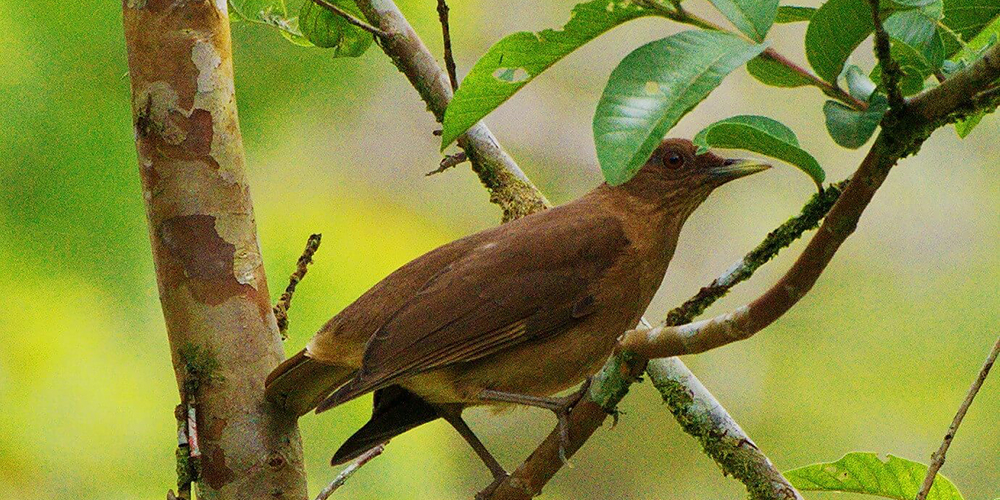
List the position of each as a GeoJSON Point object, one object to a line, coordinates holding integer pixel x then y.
{"type": "Point", "coordinates": [509, 315]}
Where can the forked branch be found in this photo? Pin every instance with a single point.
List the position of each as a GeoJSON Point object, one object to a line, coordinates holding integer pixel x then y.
{"type": "Point", "coordinates": [923, 114]}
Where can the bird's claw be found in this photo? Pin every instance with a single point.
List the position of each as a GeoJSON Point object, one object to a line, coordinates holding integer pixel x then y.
{"type": "Point", "coordinates": [562, 413]}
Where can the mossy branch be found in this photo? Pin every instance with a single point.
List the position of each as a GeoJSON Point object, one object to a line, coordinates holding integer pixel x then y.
{"type": "Point", "coordinates": [808, 219]}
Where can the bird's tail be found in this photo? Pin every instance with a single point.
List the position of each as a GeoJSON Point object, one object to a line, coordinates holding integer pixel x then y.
{"type": "Point", "coordinates": [396, 411]}
{"type": "Point", "coordinates": [300, 382]}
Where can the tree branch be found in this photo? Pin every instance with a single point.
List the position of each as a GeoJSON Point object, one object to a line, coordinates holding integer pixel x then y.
{"type": "Point", "coordinates": [890, 68]}
{"type": "Point", "coordinates": [508, 186]}
{"type": "Point", "coordinates": [213, 291]}
{"type": "Point", "coordinates": [937, 460]}
{"type": "Point", "coordinates": [901, 136]}
{"type": "Point", "coordinates": [703, 417]}
{"type": "Point", "coordinates": [349, 471]}
{"type": "Point", "coordinates": [449, 58]}
{"type": "Point", "coordinates": [301, 268]}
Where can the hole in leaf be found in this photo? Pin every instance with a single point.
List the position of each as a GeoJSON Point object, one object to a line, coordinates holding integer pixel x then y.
{"type": "Point", "coordinates": [511, 75]}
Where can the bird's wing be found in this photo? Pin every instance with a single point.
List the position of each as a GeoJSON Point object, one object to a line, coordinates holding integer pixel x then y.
{"type": "Point", "coordinates": [535, 281]}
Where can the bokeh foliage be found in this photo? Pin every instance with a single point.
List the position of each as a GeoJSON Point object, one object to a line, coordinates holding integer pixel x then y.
{"type": "Point", "coordinates": [876, 358]}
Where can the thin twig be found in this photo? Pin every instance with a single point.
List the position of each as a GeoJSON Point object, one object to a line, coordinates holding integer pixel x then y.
{"type": "Point", "coordinates": [890, 68]}
{"type": "Point", "coordinates": [509, 187]}
{"type": "Point", "coordinates": [830, 90]}
{"type": "Point", "coordinates": [301, 268]}
{"type": "Point", "coordinates": [449, 58]}
{"type": "Point", "coordinates": [448, 162]}
{"type": "Point", "coordinates": [349, 471]}
{"type": "Point", "coordinates": [352, 19]}
{"type": "Point", "coordinates": [937, 459]}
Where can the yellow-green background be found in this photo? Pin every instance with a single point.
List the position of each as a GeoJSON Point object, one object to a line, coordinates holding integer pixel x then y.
{"type": "Point", "coordinates": [876, 358]}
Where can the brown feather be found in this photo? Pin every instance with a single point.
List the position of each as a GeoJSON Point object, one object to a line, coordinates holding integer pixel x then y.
{"type": "Point", "coordinates": [300, 382]}
{"type": "Point", "coordinates": [499, 294]}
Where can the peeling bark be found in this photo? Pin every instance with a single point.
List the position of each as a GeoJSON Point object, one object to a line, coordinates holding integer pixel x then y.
{"type": "Point", "coordinates": [223, 336]}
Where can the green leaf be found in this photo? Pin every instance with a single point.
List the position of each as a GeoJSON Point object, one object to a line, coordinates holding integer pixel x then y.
{"type": "Point", "coordinates": [257, 10]}
{"type": "Point", "coordinates": [770, 72]}
{"type": "Point", "coordinates": [753, 17]}
{"type": "Point", "coordinates": [792, 14]}
{"type": "Point", "coordinates": [915, 3]}
{"type": "Point", "coordinates": [836, 29]}
{"type": "Point", "coordinates": [964, 127]}
{"type": "Point", "coordinates": [518, 58]}
{"type": "Point", "coordinates": [763, 135]}
{"type": "Point", "coordinates": [865, 473]}
{"type": "Point", "coordinates": [330, 30]}
{"type": "Point", "coordinates": [985, 39]}
{"type": "Point", "coordinates": [918, 29]}
{"type": "Point", "coordinates": [913, 66]}
{"type": "Point", "coordinates": [969, 17]}
{"type": "Point", "coordinates": [858, 83]}
{"type": "Point", "coordinates": [273, 13]}
{"type": "Point", "coordinates": [851, 128]}
{"type": "Point", "coordinates": [653, 87]}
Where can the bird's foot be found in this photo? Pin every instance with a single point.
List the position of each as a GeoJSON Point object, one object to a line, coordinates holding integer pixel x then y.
{"type": "Point", "coordinates": [561, 406]}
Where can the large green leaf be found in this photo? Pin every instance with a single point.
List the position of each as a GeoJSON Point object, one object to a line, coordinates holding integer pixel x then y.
{"type": "Point", "coordinates": [518, 58]}
{"type": "Point", "coordinates": [329, 30]}
{"type": "Point", "coordinates": [653, 87]}
{"type": "Point", "coordinates": [839, 26]}
{"type": "Point", "coordinates": [836, 29]}
{"type": "Point", "coordinates": [793, 14]}
{"type": "Point", "coordinates": [969, 17]}
{"type": "Point", "coordinates": [771, 72]}
{"type": "Point", "coordinates": [851, 128]}
{"type": "Point", "coordinates": [917, 28]}
{"type": "Point", "coordinates": [753, 17]}
{"type": "Point", "coordinates": [865, 473]}
{"type": "Point", "coordinates": [763, 135]}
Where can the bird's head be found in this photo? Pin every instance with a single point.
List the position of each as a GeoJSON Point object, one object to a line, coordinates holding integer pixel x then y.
{"type": "Point", "coordinates": [677, 175]}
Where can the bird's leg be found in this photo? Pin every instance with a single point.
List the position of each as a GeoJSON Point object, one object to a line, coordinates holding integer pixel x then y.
{"type": "Point", "coordinates": [454, 417]}
{"type": "Point", "coordinates": [561, 406]}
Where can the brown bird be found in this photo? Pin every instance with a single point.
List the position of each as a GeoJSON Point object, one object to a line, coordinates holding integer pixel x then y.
{"type": "Point", "coordinates": [509, 315]}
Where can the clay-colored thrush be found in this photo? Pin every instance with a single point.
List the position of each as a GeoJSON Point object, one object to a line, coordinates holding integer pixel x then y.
{"type": "Point", "coordinates": [512, 314]}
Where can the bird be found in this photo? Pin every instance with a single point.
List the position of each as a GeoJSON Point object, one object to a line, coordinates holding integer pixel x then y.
{"type": "Point", "coordinates": [510, 315]}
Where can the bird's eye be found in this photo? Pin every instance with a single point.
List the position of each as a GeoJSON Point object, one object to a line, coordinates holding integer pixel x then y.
{"type": "Point", "coordinates": [673, 161]}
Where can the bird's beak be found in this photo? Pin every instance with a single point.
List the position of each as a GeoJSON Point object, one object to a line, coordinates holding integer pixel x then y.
{"type": "Point", "coordinates": [732, 169]}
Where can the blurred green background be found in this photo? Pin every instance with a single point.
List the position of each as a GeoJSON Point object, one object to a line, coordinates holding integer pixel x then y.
{"type": "Point", "coordinates": [876, 358]}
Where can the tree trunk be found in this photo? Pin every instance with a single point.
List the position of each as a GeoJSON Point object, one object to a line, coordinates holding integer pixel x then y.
{"type": "Point", "coordinates": [223, 335]}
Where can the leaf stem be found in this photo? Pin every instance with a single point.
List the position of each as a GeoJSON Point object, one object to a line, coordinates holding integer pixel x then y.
{"type": "Point", "coordinates": [828, 89]}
